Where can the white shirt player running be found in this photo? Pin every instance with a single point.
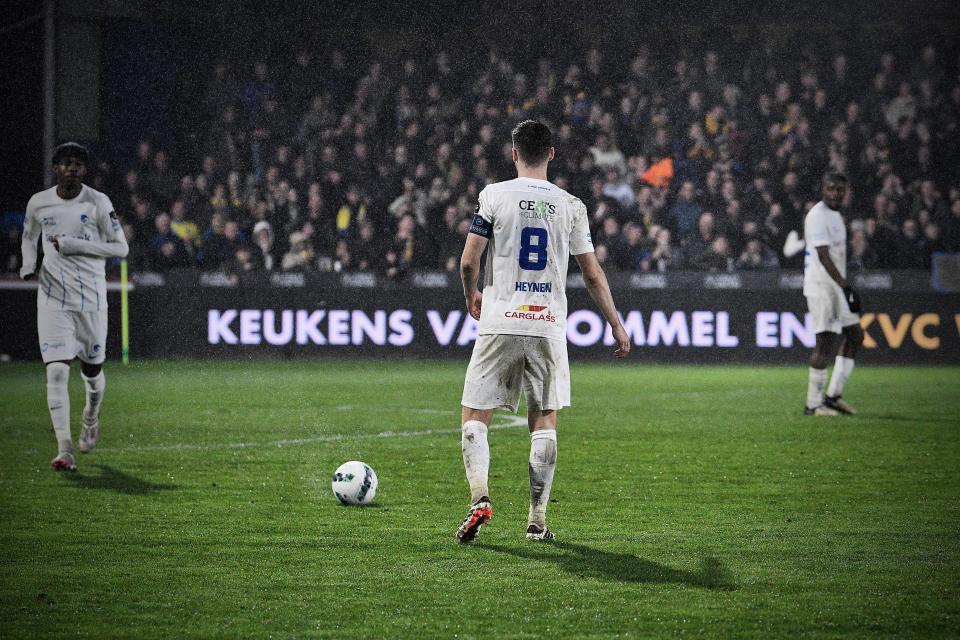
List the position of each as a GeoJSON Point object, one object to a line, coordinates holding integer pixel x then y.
{"type": "Point", "coordinates": [73, 278]}
{"type": "Point", "coordinates": [533, 227]}
{"type": "Point", "coordinates": [823, 227]}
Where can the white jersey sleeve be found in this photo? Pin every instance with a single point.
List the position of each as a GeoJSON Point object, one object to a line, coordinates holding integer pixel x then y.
{"type": "Point", "coordinates": [580, 240]}
{"type": "Point", "coordinates": [815, 230]}
{"type": "Point", "coordinates": [28, 243]}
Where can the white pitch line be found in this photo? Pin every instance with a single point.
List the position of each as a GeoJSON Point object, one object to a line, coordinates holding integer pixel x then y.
{"type": "Point", "coordinates": [509, 423]}
{"type": "Point", "coordinates": [432, 412]}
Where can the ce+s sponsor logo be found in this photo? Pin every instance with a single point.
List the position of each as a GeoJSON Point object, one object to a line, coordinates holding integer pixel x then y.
{"type": "Point", "coordinates": [537, 209]}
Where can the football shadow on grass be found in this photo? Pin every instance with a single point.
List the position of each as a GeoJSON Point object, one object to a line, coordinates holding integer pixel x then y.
{"type": "Point", "coordinates": [585, 561]}
{"type": "Point", "coordinates": [111, 479]}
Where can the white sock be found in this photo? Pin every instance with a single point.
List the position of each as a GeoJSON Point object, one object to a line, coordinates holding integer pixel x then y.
{"type": "Point", "coordinates": [842, 369]}
{"type": "Point", "coordinates": [95, 387]}
{"type": "Point", "coordinates": [58, 402]}
{"type": "Point", "coordinates": [543, 462]}
{"type": "Point", "coordinates": [818, 378]}
{"type": "Point", "coordinates": [476, 458]}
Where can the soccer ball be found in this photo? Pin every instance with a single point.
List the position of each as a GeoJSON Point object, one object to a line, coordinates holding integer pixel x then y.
{"type": "Point", "coordinates": [354, 482]}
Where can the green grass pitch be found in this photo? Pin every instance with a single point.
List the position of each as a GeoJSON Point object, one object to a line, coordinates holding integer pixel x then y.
{"type": "Point", "coordinates": [688, 501]}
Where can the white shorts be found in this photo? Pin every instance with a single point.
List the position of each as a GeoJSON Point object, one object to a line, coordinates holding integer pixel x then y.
{"type": "Point", "coordinates": [830, 312]}
{"type": "Point", "coordinates": [501, 363]}
{"type": "Point", "coordinates": [65, 335]}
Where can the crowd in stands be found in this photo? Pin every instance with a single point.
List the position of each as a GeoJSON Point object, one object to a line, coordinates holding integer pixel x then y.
{"type": "Point", "coordinates": [695, 162]}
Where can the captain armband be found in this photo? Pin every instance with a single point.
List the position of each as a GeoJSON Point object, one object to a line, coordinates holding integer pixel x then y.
{"type": "Point", "coordinates": [481, 227]}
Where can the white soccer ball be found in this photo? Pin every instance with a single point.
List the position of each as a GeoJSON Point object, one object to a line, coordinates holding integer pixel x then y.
{"type": "Point", "coordinates": [354, 482]}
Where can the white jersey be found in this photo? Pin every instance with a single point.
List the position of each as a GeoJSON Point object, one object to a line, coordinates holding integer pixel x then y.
{"type": "Point", "coordinates": [823, 227]}
{"type": "Point", "coordinates": [88, 231]}
{"type": "Point", "coordinates": [533, 226]}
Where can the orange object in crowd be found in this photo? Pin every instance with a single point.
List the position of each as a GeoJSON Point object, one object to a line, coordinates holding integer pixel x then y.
{"type": "Point", "coordinates": [659, 174]}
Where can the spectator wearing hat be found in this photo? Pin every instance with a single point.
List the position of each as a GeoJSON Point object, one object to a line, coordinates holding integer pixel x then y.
{"type": "Point", "coordinates": [263, 240]}
{"type": "Point", "coordinates": [300, 257]}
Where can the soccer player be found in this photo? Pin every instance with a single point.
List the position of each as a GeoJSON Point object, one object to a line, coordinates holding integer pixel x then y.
{"type": "Point", "coordinates": [834, 305]}
{"type": "Point", "coordinates": [528, 227]}
{"type": "Point", "coordinates": [79, 229]}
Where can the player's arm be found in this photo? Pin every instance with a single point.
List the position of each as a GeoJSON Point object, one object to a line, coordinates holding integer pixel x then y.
{"type": "Point", "coordinates": [599, 288]}
{"type": "Point", "coordinates": [581, 246]}
{"type": "Point", "coordinates": [112, 245]}
{"type": "Point", "coordinates": [470, 271]}
{"type": "Point", "coordinates": [28, 243]}
{"type": "Point", "coordinates": [851, 296]}
{"type": "Point", "coordinates": [824, 254]}
{"type": "Point", "coordinates": [481, 229]}
{"type": "Point", "coordinates": [116, 248]}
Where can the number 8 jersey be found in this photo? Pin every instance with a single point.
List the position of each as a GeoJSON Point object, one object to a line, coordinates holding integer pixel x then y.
{"type": "Point", "coordinates": [533, 227]}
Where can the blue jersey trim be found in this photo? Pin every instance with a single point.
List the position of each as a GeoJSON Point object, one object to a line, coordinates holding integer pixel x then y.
{"type": "Point", "coordinates": [83, 298]}
{"type": "Point", "coordinates": [63, 289]}
{"type": "Point", "coordinates": [45, 279]}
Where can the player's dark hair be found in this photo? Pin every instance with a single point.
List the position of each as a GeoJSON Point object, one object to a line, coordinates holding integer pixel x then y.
{"type": "Point", "coordinates": [532, 140]}
{"type": "Point", "coordinates": [71, 150]}
{"type": "Point", "coordinates": [834, 177]}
